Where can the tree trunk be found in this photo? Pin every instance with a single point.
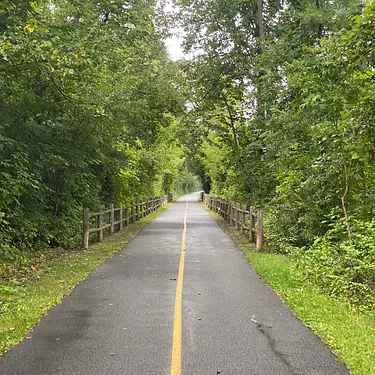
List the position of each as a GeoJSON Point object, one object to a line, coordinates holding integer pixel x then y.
{"type": "Point", "coordinates": [260, 24]}
{"type": "Point", "coordinates": [344, 202]}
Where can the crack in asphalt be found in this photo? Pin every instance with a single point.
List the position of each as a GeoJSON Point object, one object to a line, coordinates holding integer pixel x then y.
{"type": "Point", "coordinates": [264, 330]}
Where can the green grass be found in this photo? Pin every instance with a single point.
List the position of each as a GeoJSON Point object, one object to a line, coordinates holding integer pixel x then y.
{"type": "Point", "coordinates": [24, 301]}
{"type": "Point", "coordinates": [349, 334]}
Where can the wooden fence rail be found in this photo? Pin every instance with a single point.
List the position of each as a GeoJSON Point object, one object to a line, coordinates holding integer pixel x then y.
{"type": "Point", "coordinates": [114, 219]}
{"type": "Point", "coordinates": [243, 217]}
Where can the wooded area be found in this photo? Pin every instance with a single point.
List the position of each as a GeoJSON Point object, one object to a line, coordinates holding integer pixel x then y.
{"type": "Point", "coordinates": [282, 116]}
{"type": "Point", "coordinates": [273, 105]}
{"type": "Point", "coordinates": [89, 112]}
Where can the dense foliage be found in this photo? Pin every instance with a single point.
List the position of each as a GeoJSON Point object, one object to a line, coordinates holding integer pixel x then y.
{"type": "Point", "coordinates": [89, 109]}
{"type": "Point", "coordinates": [283, 105]}
{"type": "Point", "coordinates": [274, 107]}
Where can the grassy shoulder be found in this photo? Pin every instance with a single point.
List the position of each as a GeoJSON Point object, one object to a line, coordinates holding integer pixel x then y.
{"type": "Point", "coordinates": [26, 299]}
{"type": "Point", "coordinates": [349, 334]}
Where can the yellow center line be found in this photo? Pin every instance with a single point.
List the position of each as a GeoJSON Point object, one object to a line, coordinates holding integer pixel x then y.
{"type": "Point", "coordinates": [177, 325]}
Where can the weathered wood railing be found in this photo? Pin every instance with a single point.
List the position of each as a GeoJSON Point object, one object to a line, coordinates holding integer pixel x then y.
{"type": "Point", "coordinates": [114, 219]}
{"type": "Point", "coordinates": [243, 217]}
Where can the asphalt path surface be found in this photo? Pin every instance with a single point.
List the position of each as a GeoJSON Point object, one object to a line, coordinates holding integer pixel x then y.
{"type": "Point", "coordinates": [120, 319]}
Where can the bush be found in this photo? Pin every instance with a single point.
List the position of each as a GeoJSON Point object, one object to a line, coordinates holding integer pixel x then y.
{"type": "Point", "coordinates": [9, 255]}
{"type": "Point", "coordinates": [344, 268]}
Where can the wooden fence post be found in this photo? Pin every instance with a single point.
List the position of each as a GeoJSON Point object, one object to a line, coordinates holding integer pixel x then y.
{"type": "Point", "coordinates": [137, 210]}
{"type": "Point", "coordinates": [100, 224]}
{"type": "Point", "coordinates": [243, 218]}
{"type": "Point", "coordinates": [260, 231]}
{"type": "Point", "coordinates": [112, 219]}
{"type": "Point", "coordinates": [121, 222]}
{"type": "Point", "coordinates": [252, 224]}
{"type": "Point", "coordinates": [126, 215]}
{"type": "Point", "coordinates": [86, 225]}
{"type": "Point", "coordinates": [237, 216]}
{"type": "Point", "coordinates": [230, 212]}
{"type": "Point", "coordinates": [132, 212]}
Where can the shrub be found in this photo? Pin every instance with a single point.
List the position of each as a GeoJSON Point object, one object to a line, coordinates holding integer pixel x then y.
{"type": "Point", "coordinates": [344, 268]}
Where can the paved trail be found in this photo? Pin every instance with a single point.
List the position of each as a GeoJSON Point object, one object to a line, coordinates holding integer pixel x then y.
{"type": "Point", "coordinates": [122, 319]}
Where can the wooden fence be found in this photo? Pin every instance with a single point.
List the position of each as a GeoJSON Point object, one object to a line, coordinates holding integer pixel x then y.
{"type": "Point", "coordinates": [114, 219]}
{"type": "Point", "coordinates": [243, 217]}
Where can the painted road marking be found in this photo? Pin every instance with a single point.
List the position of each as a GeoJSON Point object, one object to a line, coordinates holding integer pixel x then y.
{"type": "Point", "coordinates": [177, 324]}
